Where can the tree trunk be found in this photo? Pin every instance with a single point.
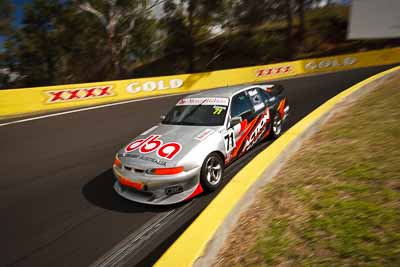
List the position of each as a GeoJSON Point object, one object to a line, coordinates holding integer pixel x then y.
{"type": "Point", "coordinates": [301, 18]}
{"type": "Point", "coordinates": [289, 21]}
{"type": "Point", "coordinates": [50, 66]}
{"type": "Point", "coordinates": [115, 54]}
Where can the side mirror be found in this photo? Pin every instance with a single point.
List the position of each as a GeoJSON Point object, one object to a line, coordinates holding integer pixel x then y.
{"type": "Point", "coordinates": [162, 117]}
{"type": "Point", "coordinates": [235, 120]}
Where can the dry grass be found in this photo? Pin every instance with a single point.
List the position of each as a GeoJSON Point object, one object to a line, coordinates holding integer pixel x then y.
{"type": "Point", "coordinates": [337, 201]}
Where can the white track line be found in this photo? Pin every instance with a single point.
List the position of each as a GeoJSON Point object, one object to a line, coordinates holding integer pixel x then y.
{"type": "Point", "coordinates": [85, 109]}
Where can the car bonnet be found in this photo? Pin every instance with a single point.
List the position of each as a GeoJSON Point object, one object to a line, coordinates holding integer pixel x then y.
{"type": "Point", "coordinates": [164, 145]}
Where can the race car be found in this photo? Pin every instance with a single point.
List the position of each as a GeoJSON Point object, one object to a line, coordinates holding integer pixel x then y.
{"type": "Point", "coordinates": [187, 152]}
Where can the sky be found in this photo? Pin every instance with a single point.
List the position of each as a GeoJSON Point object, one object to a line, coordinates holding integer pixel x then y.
{"type": "Point", "coordinates": [18, 15]}
{"type": "Point", "coordinates": [19, 10]}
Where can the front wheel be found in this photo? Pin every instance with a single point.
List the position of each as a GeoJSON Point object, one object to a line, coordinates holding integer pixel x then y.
{"type": "Point", "coordinates": [276, 126]}
{"type": "Point", "coordinates": [211, 172]}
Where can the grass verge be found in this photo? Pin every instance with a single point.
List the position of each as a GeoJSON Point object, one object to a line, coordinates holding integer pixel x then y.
{"type": "Point", "coordinates": [337, 201]}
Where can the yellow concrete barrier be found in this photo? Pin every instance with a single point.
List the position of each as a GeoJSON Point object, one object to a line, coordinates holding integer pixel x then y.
{"type": "Point", "coordinates": [16, 102]}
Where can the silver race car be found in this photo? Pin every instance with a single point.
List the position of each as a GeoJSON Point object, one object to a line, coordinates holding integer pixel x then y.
{"type": "Point", "coordinates": [186, 153]}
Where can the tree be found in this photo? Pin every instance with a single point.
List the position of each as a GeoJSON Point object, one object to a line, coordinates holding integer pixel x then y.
{"type": "Point", "coordinates": [253, 13]}
{"type": "Point", "coordinates": [120, 20]}
{"type": "Point", "coordinates": [6, 11]}
{"type": "Point", "coordinates": [188, 22]}
{"type": "Point", "coordinates": [36, 45]}
{"type": "Point", "coordinates": [289, 29]}
{"type": "Point", "coordinates": [178, 37]}
{"type": "Point", "coordinates": [301, 7]}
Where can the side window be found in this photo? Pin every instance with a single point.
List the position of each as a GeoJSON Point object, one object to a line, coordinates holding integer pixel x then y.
{"type": "Point", "coordinates": [241, 106]}
{"type": "Point", "coordinates": [256, 99]}
{"type": "Point", "coordinates": [265, 96]}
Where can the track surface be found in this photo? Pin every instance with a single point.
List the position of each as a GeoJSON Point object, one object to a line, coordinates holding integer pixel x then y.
{"type": "Point", "coordinates": [57, 205]}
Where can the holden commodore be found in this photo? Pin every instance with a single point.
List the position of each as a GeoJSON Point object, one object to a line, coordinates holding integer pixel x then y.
{"type": "Point", "coordinates": [187, 152]}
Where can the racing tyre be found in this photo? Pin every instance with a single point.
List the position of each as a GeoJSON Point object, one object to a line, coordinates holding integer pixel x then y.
{"type": "Point", "coordinates": [276, 126]}
{"type": "Point", "coordinates": [211, 172]}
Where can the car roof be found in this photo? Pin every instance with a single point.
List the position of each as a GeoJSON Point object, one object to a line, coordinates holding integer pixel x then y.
{"type": "Point", "coordinates": [227, 91]}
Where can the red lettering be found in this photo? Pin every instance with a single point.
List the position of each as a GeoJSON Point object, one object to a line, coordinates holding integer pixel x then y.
{"type": "Point", "coordinates": [169, 150]}
{"type": "Point", "coordinates": [104, 91]}
{"type": "Point", "coordinates": [264, 72]}
{"type": "Point", "coordinates": [90, 92]}
{"type": "Point", "coordinates": [271, 71]}
{"type": "Point", "coordinates": [57, 96]}
{"type": "Point", "coordinates": [135, 145]}
{"type": "Point", "coordinates": [73, 94]}
{"type": "Point", "coordinates": [79, 93]}
{"type": "Point", "coordinates": [285, 69]}
{"type": "Point", "coordinates": [151, 145]}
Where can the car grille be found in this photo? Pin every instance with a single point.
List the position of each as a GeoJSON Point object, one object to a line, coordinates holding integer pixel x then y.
{"type": "Point", "coordinates": [133, 169]}
{"type": "Point", "coordinates": [136, 192]}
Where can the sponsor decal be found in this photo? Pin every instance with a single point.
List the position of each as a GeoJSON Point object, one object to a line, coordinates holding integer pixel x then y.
{"type": "Point", "coordinates": [218, 109]}
{"type": "Point", "coordinates": [259, 129]}
{"type": "Point", "coordinates": [229, 140]}
{"type": "Point", "coordinates": [243, 126]}
{"type": "Point", "coordinates": [330, 63]}
{"type": "Point", "coordinates": [204, 134]}
{"type": "Point", "coordinates": [253, 92]}
{"type": "Point", "coordinates": [149, 86]}
{"type": "Point", "coordinates": [156, 161]}
{"type": "Point", "coordinates": [259, 106]}
{"type": "Point", "coordinates": [274, 71]}
{"type": "Point", "coordinates": [203, 101]}
{"type": "Point", "coordinates": [281, 108]}
{"type": "Point", "coordinates": [79, 94]}
{"type": "Point", "coordinates": [153, 143]}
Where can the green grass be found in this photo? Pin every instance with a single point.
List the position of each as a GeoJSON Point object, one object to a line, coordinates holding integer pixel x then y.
{"type": "Point", "coordinates": [337, 201]}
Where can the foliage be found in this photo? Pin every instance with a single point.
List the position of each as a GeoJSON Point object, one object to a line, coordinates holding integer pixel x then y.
{"type": "Point", "coordinates": [188, 22]}
{"type": "Point", "coordinates": [37, 48]}
{"type": "Point", "coordinates": [6, 10]}
{"type": "Point", "coordinates": [71, 41]}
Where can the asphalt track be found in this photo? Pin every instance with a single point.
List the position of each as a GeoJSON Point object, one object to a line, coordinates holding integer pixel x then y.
{"type": "Point", "coordinates": [57, 205]}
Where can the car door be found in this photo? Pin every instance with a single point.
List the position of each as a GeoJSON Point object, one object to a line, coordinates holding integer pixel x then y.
{"type": "Point", "coordinates": [261, 124]}
{"type": "Point", "coordinates": [241, 108]}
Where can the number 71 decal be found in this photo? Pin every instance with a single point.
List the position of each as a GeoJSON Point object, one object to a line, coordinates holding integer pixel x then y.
{"type": "Point", "coordinates": [229, 140]}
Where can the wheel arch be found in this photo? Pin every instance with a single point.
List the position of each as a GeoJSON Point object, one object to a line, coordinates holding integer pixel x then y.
{"type": "Point", "coordinates": [220, 154]}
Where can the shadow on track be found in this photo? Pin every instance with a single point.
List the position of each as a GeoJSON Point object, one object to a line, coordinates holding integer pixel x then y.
{"type": "Point", "coordinates": [100, 192]}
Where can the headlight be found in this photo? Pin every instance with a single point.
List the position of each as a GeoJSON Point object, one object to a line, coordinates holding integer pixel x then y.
{"type": "Point", "coordinates": [117, 161]}
{"type": "Point", "coordinates": [165, 171]}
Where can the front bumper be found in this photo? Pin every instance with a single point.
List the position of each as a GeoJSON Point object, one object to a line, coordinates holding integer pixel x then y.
{"type": "Point", "coordinates": [156, 189]}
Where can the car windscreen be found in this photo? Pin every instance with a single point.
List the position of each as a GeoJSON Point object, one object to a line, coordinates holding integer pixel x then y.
{"type": "Point", "coordinates": [198, 111]}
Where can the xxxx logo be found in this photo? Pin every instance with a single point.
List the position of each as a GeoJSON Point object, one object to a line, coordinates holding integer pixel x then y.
{"type": "Point", "coordinates": [273, 71]}
{"type": "Point", "coordinates": [79, 94]}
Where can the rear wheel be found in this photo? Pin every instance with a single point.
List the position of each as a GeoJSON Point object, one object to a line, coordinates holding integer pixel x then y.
{"type": "Point", "coordinates": [211, 172]}
{"type": "Point", "coordinates": [276, 126]}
